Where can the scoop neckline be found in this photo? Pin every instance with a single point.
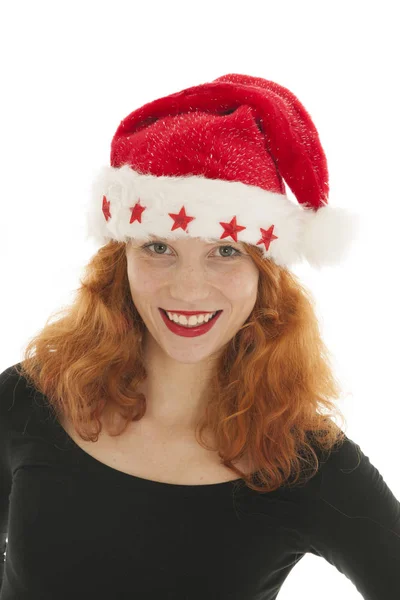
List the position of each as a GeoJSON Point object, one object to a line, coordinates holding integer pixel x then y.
{"type": "Point", "coordinates": [141, 480]}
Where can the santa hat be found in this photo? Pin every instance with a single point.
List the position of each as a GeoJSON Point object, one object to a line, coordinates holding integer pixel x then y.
{"type": "Point", "coordinates": [209, 162]}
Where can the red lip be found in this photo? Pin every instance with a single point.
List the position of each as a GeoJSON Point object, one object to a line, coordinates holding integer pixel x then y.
{"type": "Point", "coordinates": [189, 331]}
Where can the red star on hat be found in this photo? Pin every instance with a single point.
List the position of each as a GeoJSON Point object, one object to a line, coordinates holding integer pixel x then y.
{"type": "Point", "coordinates": [267, 236]}
{"type": "Point", "coordinates": [181, 219]}
{"type": "Point", "coordinates": [137, 212]}
{"type": "Point", "coordinates": [231, 229]}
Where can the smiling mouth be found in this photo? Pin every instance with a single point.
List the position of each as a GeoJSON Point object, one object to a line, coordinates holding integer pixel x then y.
{"type": "Point", "coordinates": [186, 329]}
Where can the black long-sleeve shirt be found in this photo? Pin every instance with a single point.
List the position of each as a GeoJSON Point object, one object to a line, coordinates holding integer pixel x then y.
{"type": "Point", "coordinates": [78, 528]}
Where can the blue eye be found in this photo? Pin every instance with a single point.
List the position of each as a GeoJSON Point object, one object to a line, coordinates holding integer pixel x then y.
{"type": "Point", "coordinates": [146, 247]}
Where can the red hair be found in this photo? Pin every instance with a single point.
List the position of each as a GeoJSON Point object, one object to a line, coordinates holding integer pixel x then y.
{"type": "Point", "coordinates": [271, 397]}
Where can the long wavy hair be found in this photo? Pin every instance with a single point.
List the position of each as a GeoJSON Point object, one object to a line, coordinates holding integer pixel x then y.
{"type": "Point", "coordinates": [272, 396]}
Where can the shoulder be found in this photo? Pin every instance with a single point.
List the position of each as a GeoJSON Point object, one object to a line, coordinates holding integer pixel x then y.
{"type": "Point", "coordinates": [9, 379]}
{"type": "Point", "coordinates": [7, 374]}
{"type": "Point", "coordinates": [352, 486]}
{"type": "Point", "coordinates": [356, 522]}
{"type": "Point", "coordinates": [346, 455]}
{"type": "Point", "coordinates": [15, 393]}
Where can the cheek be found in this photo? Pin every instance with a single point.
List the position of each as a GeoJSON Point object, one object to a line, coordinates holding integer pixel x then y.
{"type": "Point", "coordinates": [241, 287]}
{"type": "Point", "coordinates": [143, 280]}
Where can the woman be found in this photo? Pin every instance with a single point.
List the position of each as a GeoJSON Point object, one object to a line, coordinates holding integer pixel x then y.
{"type": "Point", "coordinates": [148, 451]}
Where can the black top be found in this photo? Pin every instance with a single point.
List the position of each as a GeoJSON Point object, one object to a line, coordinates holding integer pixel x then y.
{"type": "Point", "coordinates": [78, 528]}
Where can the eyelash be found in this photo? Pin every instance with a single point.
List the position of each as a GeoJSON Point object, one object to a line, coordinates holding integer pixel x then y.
{"type": "Point", "coordinates": [147, 246]}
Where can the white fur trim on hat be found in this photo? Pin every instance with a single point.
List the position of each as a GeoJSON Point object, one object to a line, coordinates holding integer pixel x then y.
{"type": "Point", "coordinates": [321, 237]}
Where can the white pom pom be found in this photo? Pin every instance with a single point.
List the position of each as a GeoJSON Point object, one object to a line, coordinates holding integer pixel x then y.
{"type": "Point", "coordinates": [328, 234]}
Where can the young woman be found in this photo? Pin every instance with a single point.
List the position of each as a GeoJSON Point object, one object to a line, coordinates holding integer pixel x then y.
{"type": "Point", "coordinates": [172, 434]}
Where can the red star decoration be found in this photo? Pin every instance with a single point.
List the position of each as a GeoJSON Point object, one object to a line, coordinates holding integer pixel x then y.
{"type": "Point", "coordinates": [267, 236]}
{"type": "Point", "coordinates": [106, 208]}
{"type": "Point", "coordinates": [137, 212]}
{"type": "Point", "coordinates": [181, 219]}
{"type": "Point", "coordinates": [231, 229]}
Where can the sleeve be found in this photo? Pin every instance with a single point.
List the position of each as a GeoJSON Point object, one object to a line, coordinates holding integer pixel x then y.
{"type": "Point", "coordinates": [356, 524]}
{"type": "Point", "coordinates": [7, 384]}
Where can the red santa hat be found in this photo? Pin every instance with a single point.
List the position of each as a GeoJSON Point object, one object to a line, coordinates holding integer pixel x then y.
{"type": "Point", "coordinates": [210, 162]}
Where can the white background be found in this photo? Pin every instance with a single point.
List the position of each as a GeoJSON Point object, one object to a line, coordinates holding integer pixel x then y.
{"type": "Point", "coordinates": [72, 71]}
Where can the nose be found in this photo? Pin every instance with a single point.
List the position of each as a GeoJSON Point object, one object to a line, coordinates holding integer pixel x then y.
{"type": "Point", "coordinates": [190, 284]}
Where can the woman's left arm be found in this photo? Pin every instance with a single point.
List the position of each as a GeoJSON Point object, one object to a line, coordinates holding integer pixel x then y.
{"type": "Point", "coordinates": [356, 524]}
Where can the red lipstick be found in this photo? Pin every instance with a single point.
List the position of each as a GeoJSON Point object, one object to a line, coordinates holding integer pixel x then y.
{"type": "Point", "coordinates": [189, 331]}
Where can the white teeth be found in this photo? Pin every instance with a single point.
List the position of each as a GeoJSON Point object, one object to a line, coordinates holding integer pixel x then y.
{"type": "Point", "coordinates": [193, 319]}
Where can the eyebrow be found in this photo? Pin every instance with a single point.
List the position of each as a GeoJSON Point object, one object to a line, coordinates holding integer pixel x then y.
{"type": "Point", "coordinates": [220, 242]}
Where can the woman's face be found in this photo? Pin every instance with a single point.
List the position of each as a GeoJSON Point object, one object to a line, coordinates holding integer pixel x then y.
{"type": "Point", "coordinates": [193, 275]}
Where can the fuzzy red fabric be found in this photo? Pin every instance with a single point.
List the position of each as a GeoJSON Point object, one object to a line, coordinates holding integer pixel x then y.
{"type": "Point", "coordinates": [247, 128]}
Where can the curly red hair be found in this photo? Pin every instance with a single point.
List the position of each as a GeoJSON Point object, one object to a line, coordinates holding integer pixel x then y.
{"type": "Point", "coordinates": [272, 395]}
